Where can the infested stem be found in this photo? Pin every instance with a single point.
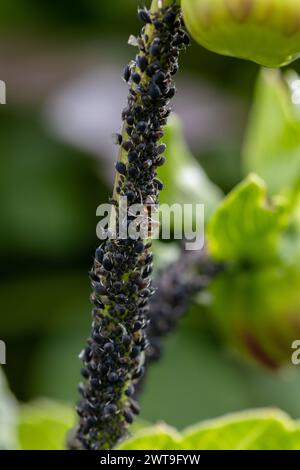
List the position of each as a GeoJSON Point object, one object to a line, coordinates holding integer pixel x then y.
{"type": "Point", "coordinates": [121, 275]}
{"type": "Point", "coordinates": [156, 6]}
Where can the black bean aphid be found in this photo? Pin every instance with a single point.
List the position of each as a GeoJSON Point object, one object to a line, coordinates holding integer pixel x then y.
{"type": "Point", "coordinates": [107, 263]}
{"type": "Point", "coordinates": [130, 391]}
{"type": "Point", "coordinates": [121, 168]}
{"type": "Point", "coordinates": [113, 377]}
{"type": "Point", "coordinates": [99, 255]}
{"type": "Point", "coordinates": [108, 347]}
{"type": "Point", "coordinates": [126, 73]}
{"type": "Point", "coordinates": [139, 373]}
{"type": "Point", "coordinates": [128, 416]}
{"type": "Point", "coordinates": [137, 326]}
{"type": "Point", "coordinates": [159, 77]}
{"type": "Point", "coordinates": [136, 78]}
{"type": "Point", "coordinates": [135, 407]}
{"type": "Point", "coordinates": [110, 409]}
{"type": "Point", "coordinates": [144, 16]}
{"type": "Point", "coordinates": [113, 364]}
{"type": "Point", "coordinates": [117, 139]}
{"type": "Point", "coordinates": [135, 352]}
{"type": "Point", "coordinates": [141, 126]}
{"type": "Point", "coordinates": [95, 383]}
{"type": "Point", "coordinates": [185, 39]}
{"type": "Point", "coordinates": [99, 288]}
{"type": "Point", "coordinates": [127, 145]}
{"type": "Point", "coordinates": [154, 91]}
{"type": "Point", "coordinates": [161, 161]}
{"type": "Point", "coordinates": [130, 196]}
{"type": "Point", "coordinates": [142, 63]}
{"type": "Point", "coordinates": [158, 184]}
{"type": "Point", "coordinates": [132, 156]}
{"type": "Point", "coordinates": [130, 120]}
{"type": "Point", "coordinates": [170, 17]}
{"type": "Point", "coordinates": [154, 49]}
{"type": "Point", "coordinates": [126, 340]}
{"type": "Point", "coordinates": [139, 247]}
{"type": "Point", "coordinates": [121, 298]}
{"type": "Point", "coordinates": [133, 172]}
{"type": "Point", "coordinates": [171, 93]}
{"type": "Point", "coordinates": [161, 149]}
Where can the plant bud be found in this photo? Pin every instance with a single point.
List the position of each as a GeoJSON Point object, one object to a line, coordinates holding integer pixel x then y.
{"type": "Point", "coordinates": [264, 31]}
{"type": "Point", "coordinates": [257, 312]}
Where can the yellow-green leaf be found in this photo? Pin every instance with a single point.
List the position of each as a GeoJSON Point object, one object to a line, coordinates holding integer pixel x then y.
{"type": "Point", "coordinates": [265, 429]}
{"type": "Point", "coordinates": [272, 142]}
{"type": "Point", "coordinates": [254, 430]}
{"type": "Point", "coordinates": [44, 425]}
{"type": "Point", "coordinates": [246, 226]}
{"type": "Point", "coordinates": [185, 180]}
{"type": "Point", "coordinates": [8, 416]}
{"type": "Point", "coordinates": [156, 437]}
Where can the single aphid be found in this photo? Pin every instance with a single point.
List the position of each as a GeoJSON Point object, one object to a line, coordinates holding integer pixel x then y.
{"type": "Point", "coordinates": [127, 73]}
{"type": "Point", "coordinates": [142, 63]}
{"type": "Point", "coordinates": [136, 78]}
{"type": "Point", "coordinates": [121, 168]}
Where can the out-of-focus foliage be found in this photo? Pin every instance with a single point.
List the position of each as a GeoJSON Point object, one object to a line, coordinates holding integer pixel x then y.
{"type": "Point", "coordinates": [257, 310]}
{"type": "Point", "coordinates": [256, 430]}
{"type": "Point", "coordinates": [43, 425]}
{"type": "Point", "coordinates": [46, 191]}
{"type": "Point", "coordinates": [265, 32]}
{"type": "Point", "coordinates": [74, 16]}
{"type": "Point", "coordinates": [255, 301]}
{"type": "Point", "coordinates": [8, 416]}
{"type": "Point", "coordinates": [246, 226]}
{"type": "Point", "coordinates": [272, 143]}
{"type": "Point", "coordinates": [184, 179]}
{"type": "Point", "coordinates": [49, 193]}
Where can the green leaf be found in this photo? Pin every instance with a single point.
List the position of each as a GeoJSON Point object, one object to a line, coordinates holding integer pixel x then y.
{"type": "Point", "coordinates": [246, 226]}
{"type": "Point", "coordinates": [8, 416]}
{"type": "Point", "coordinates": [272, 142]}
{"type": "Point", "coordinates": [184, 179]}
{"type": "Point", "coordinates": [44, 425]}
{"type": "Point", "coordinates": [266, 429]}
{"type": "Point", "coordinates": [159, 437]}
{"type": "Point", "coordinates": [251, 430]}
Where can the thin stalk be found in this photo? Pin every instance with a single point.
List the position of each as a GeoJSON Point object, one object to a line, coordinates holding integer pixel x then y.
{"type": "Point", "coordinates": [121, 275]}
{"type": "Point", "coordinates": [156, 6]}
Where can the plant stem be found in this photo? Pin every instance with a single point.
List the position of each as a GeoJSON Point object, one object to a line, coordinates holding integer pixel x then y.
{"type": "Point", "coordinates": [121, 274]}
{"type": "Point", "coordinates": [156, 6]}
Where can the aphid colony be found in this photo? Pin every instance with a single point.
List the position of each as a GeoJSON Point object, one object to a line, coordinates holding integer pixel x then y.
{"type": "Point", "coordinates": [175, 287]}
{"type": "Point", "coordinates": [113, 359]}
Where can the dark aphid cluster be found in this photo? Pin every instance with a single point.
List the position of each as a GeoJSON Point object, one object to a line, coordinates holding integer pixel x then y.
{"type": "Point", "coordinates": [114, 357]}
{"type": "Point", "coordinates": [175, 287]}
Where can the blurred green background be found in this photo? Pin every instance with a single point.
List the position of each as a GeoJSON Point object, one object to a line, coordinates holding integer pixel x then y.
{"type": "Point", "coordinates": [62, 64]}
